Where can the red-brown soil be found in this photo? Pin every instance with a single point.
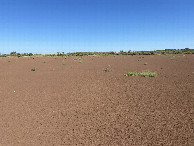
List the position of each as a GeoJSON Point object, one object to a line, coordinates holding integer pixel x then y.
{"type": "Point", "coordinates": [80, 104]}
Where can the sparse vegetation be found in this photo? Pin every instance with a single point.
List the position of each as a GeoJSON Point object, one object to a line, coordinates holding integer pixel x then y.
{"type": "Point", "coordinates": [143, 74]}
{"type": "Point", "coordinates": [155, 52]}
{"type": "Point", "coordinates": [33, 69]}
{"type": "Point", "coordinates": [147, 74]}
{"type": "Point", "coordinates": [3, 55]}
{"type": "Point", "coordinates": [131, 74]}
{"type": "Point", "coordinates": [14, 53]}
{"type": "Point", "coordinates": [140, 57]}
{"type": "Point", "coordinates": [107, 69]}
{"type": "Point", "coordinates": [63, 63]}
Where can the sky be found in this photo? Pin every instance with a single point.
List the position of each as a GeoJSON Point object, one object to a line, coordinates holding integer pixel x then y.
{"type": "Point", "coordinates": [51, 26]}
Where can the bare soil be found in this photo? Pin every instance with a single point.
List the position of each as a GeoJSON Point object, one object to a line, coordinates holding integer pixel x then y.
{"type": "Point", "coordinates": [68, 102]}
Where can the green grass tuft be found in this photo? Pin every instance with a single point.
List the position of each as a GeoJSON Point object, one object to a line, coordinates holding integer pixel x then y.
{"type": "Point", "coordinates": [143, 74]}
{"type": "Point", "coordinates": [33, 69]}
{"type": "Point", "coordinates": [147, 74]}
{"type": "Point", "coordinates": [131, 74]}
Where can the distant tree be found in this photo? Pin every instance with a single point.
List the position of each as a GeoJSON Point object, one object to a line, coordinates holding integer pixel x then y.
{"type": "Point", "coordinates": [30, 54]}
{"type": "Point", "coordinates": [121, 52]}
{"type": "Point", "coordinates": [63, 53]}
{"type": "Point", "coordinates": [13, 53]}
{"type": "Point", "coordinates": [18, 55]}
{"type": "Point", "coordinates": [187, 49]}
{"type": "Point", "coordinates": [111, 52]}
{"type": "Point", "coordinates": [58, 54]}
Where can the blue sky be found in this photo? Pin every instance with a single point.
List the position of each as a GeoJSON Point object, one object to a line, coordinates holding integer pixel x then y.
{"type": "Point", "coordinates": [50, 26]}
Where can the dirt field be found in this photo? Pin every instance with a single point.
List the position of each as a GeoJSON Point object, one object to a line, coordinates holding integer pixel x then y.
{"type": "Point", "coordinates": [68, 102]}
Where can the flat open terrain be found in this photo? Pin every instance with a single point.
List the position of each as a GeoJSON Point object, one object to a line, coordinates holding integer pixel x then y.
{"type": "Point", "coordinates": [68, 102]}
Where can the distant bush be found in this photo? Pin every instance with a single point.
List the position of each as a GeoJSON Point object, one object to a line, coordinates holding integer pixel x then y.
{"type": "Point", "coordinates": [3, 55]}
{"type": "Point", "coordinates": [18, 55]}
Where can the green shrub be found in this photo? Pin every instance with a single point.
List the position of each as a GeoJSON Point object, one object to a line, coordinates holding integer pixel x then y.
{"type": "Point", "coordinates": [143, 74]}
{"type": "Point", "coordinates": [147, 74]}
{"type": "Point", "coordinates": [33, 69]}
{"type": "Point", "coordinates": [131, 74]}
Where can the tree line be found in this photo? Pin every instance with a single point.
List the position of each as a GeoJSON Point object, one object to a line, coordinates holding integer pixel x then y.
{"type": "Point", "coordinates": [121, 52]}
